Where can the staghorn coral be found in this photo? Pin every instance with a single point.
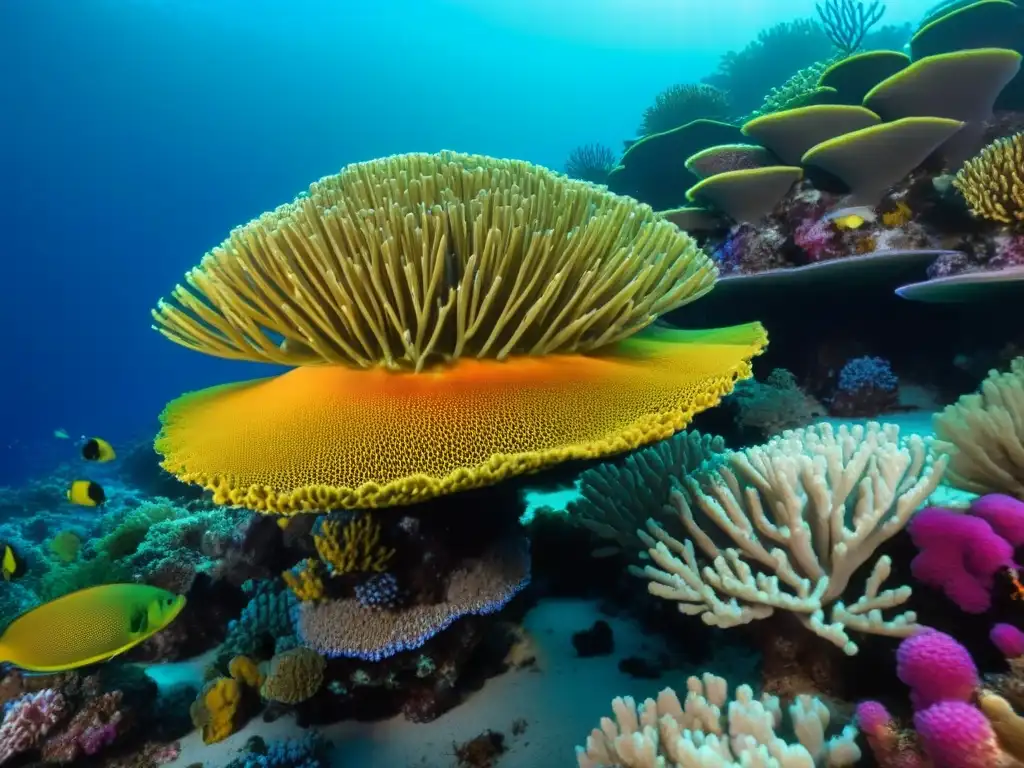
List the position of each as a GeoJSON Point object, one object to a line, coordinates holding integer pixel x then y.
{"type": "Point", "coordinates": [802, 513]}
{"type": "Point", "coordinates": [480, 283]}
{"type": "Point", "coordinates": [680, 104]}
{"type": "Point", "coordinates": [294, 676]}
{"type": "Point", "coordinates": [774, 405]}
{"type": "Point", "coordinates": [710, 727]}
{"type": "Point", "coordinates": [482, 585]}
{"type": "Point", "coordinates": [351, 545]}
{"type": "Point", "coordinates": [591, 162]}
{"type": "Point", "coordinates": [991, 182]}
{"type": "Point", "coordinates": [616, 498]}
{"type": "Point", "coordinates": [983, 432]}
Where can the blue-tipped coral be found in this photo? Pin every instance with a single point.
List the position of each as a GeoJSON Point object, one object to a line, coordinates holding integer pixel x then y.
{"type": "Point", "coordinates": [346, 627]}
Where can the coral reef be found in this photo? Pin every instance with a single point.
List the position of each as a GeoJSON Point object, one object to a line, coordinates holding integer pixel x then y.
{"type": "Point", "coordinates": [774, 405]}
{"type": "Point", "coordinates": [741, 731]}
{"type": "Point", "coordinates": [866, 387]}
{"type": "Point", "coordinates": [801, 490]}
{"type": "Point", "coordinates": [956, 723]}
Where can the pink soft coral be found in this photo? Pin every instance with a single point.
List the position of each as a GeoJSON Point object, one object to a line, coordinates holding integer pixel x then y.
{"type": "Point", "coordinates": [891, 748]}
{"type": "Point", "coordinates": [957, 735]}
{"type": "Point", "coordinates": [959, 554]}
{"type": "Point", "coordinates": [28, 719]}
{"type": "Point", "coordinates": [1008, 639]}
{"type": "Point", "coordinates": [936, 668]}
{"type": "Point", "coordinates": [816, 238]}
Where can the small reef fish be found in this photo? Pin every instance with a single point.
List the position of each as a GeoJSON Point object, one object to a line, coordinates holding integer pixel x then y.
{"type": "Point", "coordinates": [87, 627]}
{"type": "Point", "coordinates": [86, 493]}
{"type": "Point", "coordinates": [1018, 588]}
{"type": "Point", "coordinates": [11, 563]}
{"type": "Point", "coordinates": [851, 218]}
{"type": "Point", "coordinates": [98, 449]}
{"type": "Point", "coordinates": [61, 434]}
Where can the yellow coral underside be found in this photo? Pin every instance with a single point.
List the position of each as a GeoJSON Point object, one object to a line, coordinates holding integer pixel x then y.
{"type": "Point", "coordinates": [331, 437]}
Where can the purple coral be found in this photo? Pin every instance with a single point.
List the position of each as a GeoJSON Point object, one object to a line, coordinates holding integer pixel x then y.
{"type": "Point", "coordinates": [1008, 639]}
{"type": "Point", "coordinates": [816, 238]}
{"type": "Point", "coordinates": [962, 553]}
{"type": "Point", "coordinates": [28, 719]}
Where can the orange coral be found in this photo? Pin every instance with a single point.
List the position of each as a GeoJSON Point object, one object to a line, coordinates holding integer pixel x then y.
{"type": "Point", "coordinates": [342, 438]}
{"type": "Point", "coordinates": [352, 547]}
{"type": "Point", "coordinates": [217, 710]}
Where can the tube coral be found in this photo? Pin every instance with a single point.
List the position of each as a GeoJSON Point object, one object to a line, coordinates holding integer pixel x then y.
{"type": "Point", "coordinates": [455, 319]}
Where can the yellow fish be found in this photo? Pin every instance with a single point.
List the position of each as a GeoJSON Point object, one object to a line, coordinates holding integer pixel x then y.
{"type": "Point", "coordinates": [98, 449]}
{"type": "Point", "coordinates": [851, 218]}
{"type": "Point", "coordinates": [87, 626]}
{"type": "Point", "coordinates": [86, 493]}
{"type": "Point", "coordinates": [11, 564]}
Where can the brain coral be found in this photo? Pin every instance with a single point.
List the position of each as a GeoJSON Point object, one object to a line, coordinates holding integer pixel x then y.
{"type": "Point", "coordinates": [455, 320]}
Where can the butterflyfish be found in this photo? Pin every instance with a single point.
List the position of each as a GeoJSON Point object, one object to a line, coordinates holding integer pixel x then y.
{"type": "Point", "coordinates": [851, 218]}
{"type": "Point", "coordinates": [86, 493]}
{"type": "Point", "coordinates": [98, 449]}
{"type": "Point", "coordinates": [11, 563]}
{"type": "Point", "coordinates": [87, 627]}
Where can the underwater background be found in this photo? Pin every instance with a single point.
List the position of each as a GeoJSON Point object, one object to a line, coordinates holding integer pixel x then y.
{"type": "Point", "coordinates": [512, 385]}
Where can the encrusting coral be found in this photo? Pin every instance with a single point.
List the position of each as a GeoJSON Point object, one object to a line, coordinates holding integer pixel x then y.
{"type": "Point", "coordinates": [438, 308]}
{"type": "Point", "coordinates": [802, 513]}
{"type": "Point", "coordinates": [294, 676]}
{"type": "Point", "coordinates": [703, 731]}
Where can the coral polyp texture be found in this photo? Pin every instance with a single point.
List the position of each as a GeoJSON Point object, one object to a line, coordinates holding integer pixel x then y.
{"type": "Point", "coordinates": [709, 729]}
{"type": "Point", "coordinates": [991, 183]}
{"type": "Point", "coordinates": [803, 512]}
{"type": "Point", "coordinates": [455, 319]}
{"type": "Point", "coordinates": [984, 434]}
{"type": "Point", "coordinates": [348, 627]}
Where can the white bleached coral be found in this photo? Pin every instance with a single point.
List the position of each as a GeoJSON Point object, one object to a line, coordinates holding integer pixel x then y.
{"type": "Point", "coordinates": [801, 514]}
{"type": "Point", "coordinates": [709, 731]}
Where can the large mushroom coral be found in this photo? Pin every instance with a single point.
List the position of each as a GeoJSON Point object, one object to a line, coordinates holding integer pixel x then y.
{"type": "Point", "coordinates": [455, 320]}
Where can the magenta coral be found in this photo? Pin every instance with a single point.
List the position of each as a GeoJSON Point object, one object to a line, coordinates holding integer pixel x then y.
{"type": "Point", "coordinates": [936, 668]}
{"type": "Point", "coordinates": [816, 238]}
{"type": "Point", "coordinates": [957, 735]}
{"type": "Point", "coordinates": [959, 554]}
{"type": "Point", "coordinates": [93, 727]}
{"type": "Point", "coordinates": [887, 744]}
{"type": "Point", "coordinates": [28, 719]}
{"type": "Point", "coordinates": [1004, 514]}
{"type": "Point", "coordinates": [1008, 639]}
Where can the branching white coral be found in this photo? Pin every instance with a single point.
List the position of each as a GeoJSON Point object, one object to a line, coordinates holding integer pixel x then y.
{"type": "Point", "coordinates": [801, 513]}
{"type": "Point", "coordinates": [703, 732]}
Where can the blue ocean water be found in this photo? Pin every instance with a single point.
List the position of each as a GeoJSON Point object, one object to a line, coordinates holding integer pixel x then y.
{"type": "Point", "coordinates": [134, 134]}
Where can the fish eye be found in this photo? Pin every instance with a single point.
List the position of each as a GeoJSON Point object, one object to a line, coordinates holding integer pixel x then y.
{"type": "Point", "coordinates": [168, 601]}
